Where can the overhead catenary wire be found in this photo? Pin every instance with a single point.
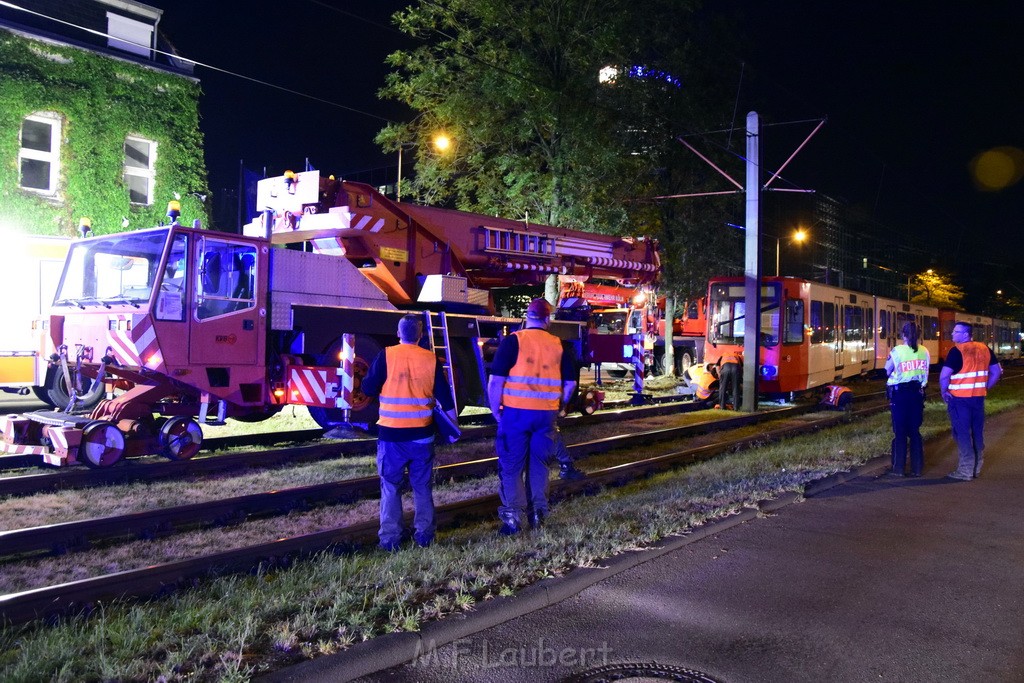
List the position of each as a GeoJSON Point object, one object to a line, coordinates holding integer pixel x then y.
{"type": "Point", "coordinates": [205, 65]}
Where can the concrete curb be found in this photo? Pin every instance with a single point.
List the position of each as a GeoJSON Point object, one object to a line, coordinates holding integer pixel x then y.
{"type": "Point", "coordinates": [396, 649]}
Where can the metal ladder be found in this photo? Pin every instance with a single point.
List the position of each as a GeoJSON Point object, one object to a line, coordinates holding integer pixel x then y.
{"type": "Point", "coordinates": [439, 344]}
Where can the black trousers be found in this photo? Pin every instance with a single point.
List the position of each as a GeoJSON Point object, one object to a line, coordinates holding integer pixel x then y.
{"type": "Point", "coordinates": [907, 404]}
{"type": "Point", "coordinates": [729, 385]}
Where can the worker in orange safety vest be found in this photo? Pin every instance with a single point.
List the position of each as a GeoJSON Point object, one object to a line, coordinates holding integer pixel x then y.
{"type": "Point", "coordinates": [969, 371]}
{"type": "Point", "coordinates": [409, 379]}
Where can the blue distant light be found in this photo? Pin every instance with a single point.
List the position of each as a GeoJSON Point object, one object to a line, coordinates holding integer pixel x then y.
{"type": "Point", "coordinates": [654, 74]}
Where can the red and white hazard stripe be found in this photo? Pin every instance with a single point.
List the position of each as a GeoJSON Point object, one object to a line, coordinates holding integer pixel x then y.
{"type": "Point", "coordinates": [366, 222]}
{"type": "Point", "coordinates": [315, 386]}
{"type": "Point", "coordinates": [134, 342]}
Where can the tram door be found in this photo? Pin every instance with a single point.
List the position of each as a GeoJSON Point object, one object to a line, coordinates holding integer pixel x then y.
{"type": "Point", "coordinates": [838, 326]}
{"type": "Point", "coordinates": [892, 330]}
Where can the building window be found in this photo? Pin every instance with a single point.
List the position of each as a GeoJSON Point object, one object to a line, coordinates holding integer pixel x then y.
{"type": "Point", "coordinates": [129, 35]}
{"type": "Point", "coordinates": [139, 169]}
{"type": "Point", "coordinates": [39, 158]}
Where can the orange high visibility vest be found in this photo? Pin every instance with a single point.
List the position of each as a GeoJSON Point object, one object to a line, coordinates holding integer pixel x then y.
{"type": "Point", "coordinates": [535, 381]}
{"type": "Point", "coordinates": [731, 357]}
{"type": "Point", "coordinates": [972, 380]}
{"type": "Point", "coordinates": [703, 379]}
{"type": "Point", "coordinates": [407, 397]}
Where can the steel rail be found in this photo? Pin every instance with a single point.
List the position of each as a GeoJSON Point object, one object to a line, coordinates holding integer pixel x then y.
{"type": "Point", "coordinates": [78, 535]}
{"type": "Point", "coordinates": [82, 596]}
{"type": "Point", "coordinates": [133, 470]}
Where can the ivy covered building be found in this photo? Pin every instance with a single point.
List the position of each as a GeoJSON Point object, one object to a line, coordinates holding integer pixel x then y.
{"type": "Point", "coordinates": [98, 119]}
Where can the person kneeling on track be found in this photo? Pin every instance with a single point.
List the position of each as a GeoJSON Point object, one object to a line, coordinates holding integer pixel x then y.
{"type": "Point", "coordinates": [703, 379]}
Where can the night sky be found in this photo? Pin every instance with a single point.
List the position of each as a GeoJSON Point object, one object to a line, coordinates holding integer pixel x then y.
{"type": "Point", "coordinates": [913, 92]}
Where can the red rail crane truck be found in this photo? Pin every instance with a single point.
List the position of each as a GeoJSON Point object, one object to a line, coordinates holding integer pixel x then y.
{"type": "Point", "coordinates": [174, 325]}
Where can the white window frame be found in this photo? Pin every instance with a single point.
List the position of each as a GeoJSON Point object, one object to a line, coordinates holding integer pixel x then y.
{"type": "Point", "coordinates": [52, 157]}
{"type": "Point", "coordinates": [129, 35]}
{"type": "Point", "coordinates": [149, 174]}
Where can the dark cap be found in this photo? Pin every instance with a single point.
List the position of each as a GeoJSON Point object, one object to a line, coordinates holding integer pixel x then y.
{"type": "Point", "coordinates": [539, 309]}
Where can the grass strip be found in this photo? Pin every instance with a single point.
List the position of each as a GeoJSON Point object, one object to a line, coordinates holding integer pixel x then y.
{"type": "Point", "coordinates": [233, 628]}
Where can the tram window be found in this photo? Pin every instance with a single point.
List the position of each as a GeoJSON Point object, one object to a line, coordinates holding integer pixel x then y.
{"type": "Point", "coordinates": [869, 323]}
{"type": "Point", "coordinates": [817, 324]}
{"type": "Point", "coordinates": [883, 324]}
{"type": "Point", "coordinates": [829, 318]}
{"type": "Point", "coordinates": [853, 321]}
{"type": "Point", "coordinates": [794, 329]}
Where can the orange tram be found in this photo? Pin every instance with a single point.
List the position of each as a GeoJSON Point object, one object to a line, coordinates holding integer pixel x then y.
{"type": "Point", "coordinates": [813, 334]}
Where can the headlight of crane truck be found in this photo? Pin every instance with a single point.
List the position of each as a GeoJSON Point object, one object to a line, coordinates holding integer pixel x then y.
{"type": "Point", "coordinates": [178, 326]}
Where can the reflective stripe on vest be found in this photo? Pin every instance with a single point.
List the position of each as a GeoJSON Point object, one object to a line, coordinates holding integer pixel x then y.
{"type": "Point", "coordinates": [407, 397]}
{"type": "Point", "coordinates": [909, 366]}
{"type": "Point", "coordinates": [535, 381]}
{"type": "Point", "coordinates": [972, 380]}
{"type": "Point", "coordinates": [836, 393]}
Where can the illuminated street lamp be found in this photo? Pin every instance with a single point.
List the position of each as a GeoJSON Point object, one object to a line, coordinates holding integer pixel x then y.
{"type": "Point", "coordinates": [799, 236]}
{"type": "Point", "coordinates": [441, 143]}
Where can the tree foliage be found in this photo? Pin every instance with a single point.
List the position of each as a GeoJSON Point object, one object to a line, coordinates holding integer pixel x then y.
{"type": "Point", "coordinates": [932, 288]}
{"type": "Point", "coordinates": [536, 134]}
{"type": "Point", "coordinates": [100, 102]}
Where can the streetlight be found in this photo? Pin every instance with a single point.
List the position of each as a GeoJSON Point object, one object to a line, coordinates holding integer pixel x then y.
{"type": "Point", "coordinates": [799, 236]}
{"type": "Point", "coordinates": [441, 143]}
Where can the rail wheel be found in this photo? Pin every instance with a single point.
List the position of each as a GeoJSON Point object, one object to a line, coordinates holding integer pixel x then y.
{"type": "Point", "coordinates": [181, 438]}
{"type": "Point", "coordinates": [364, 409]}
{"type": "Point", "coordinates": [102, 444]}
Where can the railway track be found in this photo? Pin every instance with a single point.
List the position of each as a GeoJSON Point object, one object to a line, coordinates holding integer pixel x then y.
{"type": "Point", "coordinates": [152, 469]}
{"type": "Point", "coordinates": [82, 595]}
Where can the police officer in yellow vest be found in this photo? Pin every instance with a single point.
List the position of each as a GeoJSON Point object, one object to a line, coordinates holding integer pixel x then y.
{"type": "Point", "coordinates": [907, 366]}
{"type": "Point", "coordinates": [531, 377]}
{"type": "Point", "coordinates": [409, 379]}
{"type": "Point", "coordinates": [969, 371]}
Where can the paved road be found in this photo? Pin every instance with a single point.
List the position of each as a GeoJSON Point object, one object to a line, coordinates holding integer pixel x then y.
{"type": "Point", "coordinates": [878, 579]}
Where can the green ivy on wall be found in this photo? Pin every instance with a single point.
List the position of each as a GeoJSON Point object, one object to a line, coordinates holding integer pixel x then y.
{"type": "Point", "coordinates": [101, 101]}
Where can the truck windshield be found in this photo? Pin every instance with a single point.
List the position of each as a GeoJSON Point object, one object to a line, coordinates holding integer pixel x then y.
{"type": "Point", "coordinates": [114, 269]}
{"type": "Point", "coordinates": [611, 322]}
{"type": "Point", "coordinates": [727, 314]}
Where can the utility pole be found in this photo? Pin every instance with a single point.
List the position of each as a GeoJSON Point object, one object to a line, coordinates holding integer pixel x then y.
{"type": "Point", "coordinates": [752, 267]}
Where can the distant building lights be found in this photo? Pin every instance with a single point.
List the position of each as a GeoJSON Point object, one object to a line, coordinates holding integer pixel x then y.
{"type": "Point", "coordinates": [610, 74]}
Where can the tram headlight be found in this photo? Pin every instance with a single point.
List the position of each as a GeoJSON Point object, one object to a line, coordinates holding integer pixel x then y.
{"type": "Point", "coordinates": [769, 371]}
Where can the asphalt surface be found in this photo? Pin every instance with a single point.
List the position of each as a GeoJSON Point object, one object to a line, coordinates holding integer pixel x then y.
{"type": "Point", "coordinates": [877, 579]}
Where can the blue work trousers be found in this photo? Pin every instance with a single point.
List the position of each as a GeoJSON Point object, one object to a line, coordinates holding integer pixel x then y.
{"type": "Point", "coordinates": [967, 416]}
{"type": "Point", "coordinates": [394, 458]}
{"type": "Point", "coordinates": [907, 404]}
{"type": "Point", "coordinates": [526, 443]}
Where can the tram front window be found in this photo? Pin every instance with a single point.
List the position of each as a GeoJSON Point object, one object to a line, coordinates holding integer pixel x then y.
{"type": "Point", "coordinates": [727, 314]}
{"type": "Point", "coordinates": [119, 269]}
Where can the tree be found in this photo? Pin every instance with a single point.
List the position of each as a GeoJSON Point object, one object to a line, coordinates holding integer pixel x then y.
{"type": "Point", "coordinates": [932, 288]}
{"type": "Point", "coordinates": [568, 112]}
{"type": "Point", "coordinates": [537, 134]}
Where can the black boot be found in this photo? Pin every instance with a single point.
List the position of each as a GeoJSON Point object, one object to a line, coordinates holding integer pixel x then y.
{"type": "Point", "coordinates": [537, 518]}
{"type": "Point", "coordinates": [568, 471]}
